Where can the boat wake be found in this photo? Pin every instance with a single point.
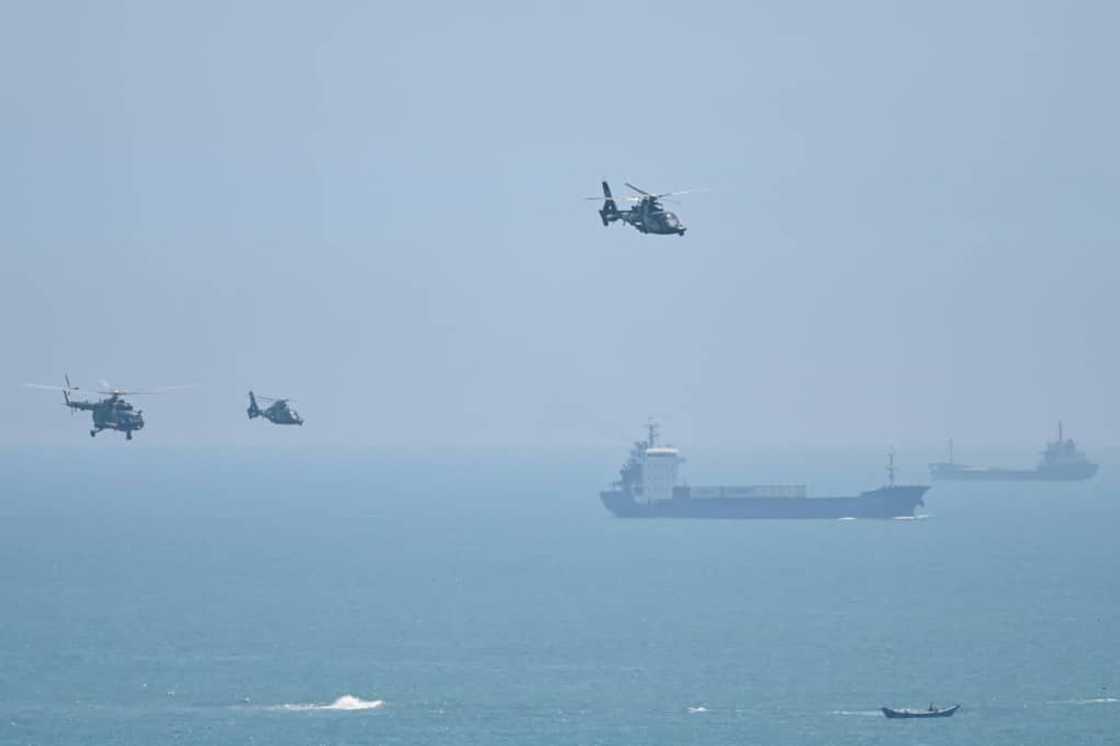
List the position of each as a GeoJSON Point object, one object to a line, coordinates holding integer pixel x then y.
{"type": "Point", "coordinates": [345, 703]}
{"type": "Point", "coordinates": [918, 517]}
{"type": "Point", "coordinates": [859, 713]}
{"type": "Point", "coordinates": [697, 710]}
{"type": "Point", "coordinates": [1091, 701]}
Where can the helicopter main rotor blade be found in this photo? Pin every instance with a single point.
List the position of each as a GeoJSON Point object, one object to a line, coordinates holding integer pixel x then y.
{"type": "Point", "coordinates": [616, 199]}
{"type": "Point", "coordinates": [50, 388]}
{"type": "Point", "coordinates": [145, 392]}
{"type": "Point", "coordinates": [636, 189]}
{"type": "Point", "coordinates": [683, 191]}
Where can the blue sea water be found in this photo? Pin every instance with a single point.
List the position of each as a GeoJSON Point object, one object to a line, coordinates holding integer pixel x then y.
{"type": "Point", "coordinates": [199, 597]}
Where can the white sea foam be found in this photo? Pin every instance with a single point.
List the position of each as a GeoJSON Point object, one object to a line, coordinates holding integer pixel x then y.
{"type": "Point", "coordinates": [345, 703]}
{"type": "Point", "coordinates": [697, 710]}
{"type": "Point", "coordinates": [1090, 701]}
{"type": "Point", "coordinates": [847, 518]}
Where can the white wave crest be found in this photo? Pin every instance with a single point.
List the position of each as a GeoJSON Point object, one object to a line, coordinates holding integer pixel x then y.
{"type": "Point", "coordinates": [345, 703]}
{"type": "Point", "coordinates": [697, 710]}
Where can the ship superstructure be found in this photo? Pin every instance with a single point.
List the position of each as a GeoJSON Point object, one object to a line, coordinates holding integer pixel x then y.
{"type": "Point", "coordinates": [648, 488]}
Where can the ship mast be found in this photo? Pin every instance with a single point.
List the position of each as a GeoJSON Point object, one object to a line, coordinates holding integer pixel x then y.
{"type": "Point", "coordinates": [651, 428]}
{"type": "Point", "coordinates": [890, 468]}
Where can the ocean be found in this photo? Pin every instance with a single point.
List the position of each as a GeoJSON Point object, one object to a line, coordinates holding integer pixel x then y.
{"type": "Point", "coordinates": [279, 597]}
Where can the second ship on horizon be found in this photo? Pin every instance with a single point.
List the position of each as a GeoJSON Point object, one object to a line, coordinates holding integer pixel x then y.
{"type": "Point", "coordinates": [1062, 461]}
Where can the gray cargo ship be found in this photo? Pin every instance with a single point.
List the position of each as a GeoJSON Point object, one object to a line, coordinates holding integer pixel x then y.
{"type": "Point", "coordinates": [648, 488]}
{"type": "Point", "coordinates": [1061, 462]}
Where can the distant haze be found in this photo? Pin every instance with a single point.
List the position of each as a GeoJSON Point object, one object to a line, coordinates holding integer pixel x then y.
{"type": "Point", "coordinates": [911, 230]}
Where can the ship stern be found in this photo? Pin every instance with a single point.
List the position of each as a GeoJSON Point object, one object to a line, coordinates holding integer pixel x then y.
{"type": "Point", "coordinates": [620, 503]}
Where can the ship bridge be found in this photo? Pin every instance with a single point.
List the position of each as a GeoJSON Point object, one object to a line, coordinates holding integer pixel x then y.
{"type": "Point", "coordinates": [659, 473]}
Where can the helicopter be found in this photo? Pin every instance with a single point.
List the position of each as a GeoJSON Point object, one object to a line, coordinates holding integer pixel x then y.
{"type": "Point", "coordinates": [110, 413]}
{"type": "Point", "coordinates": [648, 216]}
{"type": "Point", "coordinates": [278, 413]}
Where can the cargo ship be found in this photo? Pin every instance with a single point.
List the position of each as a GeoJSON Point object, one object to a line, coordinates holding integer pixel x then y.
{"type": "Point", "coordinates": [647, 488]}
{"type": "Point", "coordinates": [1062, 461]}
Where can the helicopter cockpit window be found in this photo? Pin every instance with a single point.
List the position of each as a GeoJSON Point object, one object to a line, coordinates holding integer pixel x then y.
{"type": "Point", "coordinates": [671, 219]}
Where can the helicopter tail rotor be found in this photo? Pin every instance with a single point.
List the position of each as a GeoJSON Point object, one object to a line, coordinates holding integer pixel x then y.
{"type": "Point", "coordinates": [609, 213]}
{"type": "Point", "coordinates": [64, 389]}
{"type": "Point", "coordinates": [254, 410]}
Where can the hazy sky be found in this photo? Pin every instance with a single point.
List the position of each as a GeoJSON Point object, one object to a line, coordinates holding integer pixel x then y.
{"type": "Point", "coordinates": [375, 208]}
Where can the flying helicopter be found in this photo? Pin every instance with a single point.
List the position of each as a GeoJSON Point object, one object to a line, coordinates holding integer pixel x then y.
{"type": "Point", "coordinates": [110, 413]}
{"type": "Point", "coordinates": [647, 215]}
{"type": "Point", "coordinates": [278, 413]}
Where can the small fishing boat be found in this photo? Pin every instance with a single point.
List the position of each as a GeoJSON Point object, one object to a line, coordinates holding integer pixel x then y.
{"type": "Point", "coordinates": [932, 712]}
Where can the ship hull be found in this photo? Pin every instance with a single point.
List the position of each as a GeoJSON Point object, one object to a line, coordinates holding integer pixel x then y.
{"type": "Point", "coordinates": [947, 472]}
{"type": "Point", "coordinates": [948, 712]}
{"type": "Point", "coordinates": [887, 502]}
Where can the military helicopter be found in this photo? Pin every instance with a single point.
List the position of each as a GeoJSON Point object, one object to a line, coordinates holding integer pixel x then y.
{"type": "Point", "coordinates": [278, 413]}
{"type": "Point", "coordinates": [648, 216]}
{"type": "Point", "coordinates": [111, 413]}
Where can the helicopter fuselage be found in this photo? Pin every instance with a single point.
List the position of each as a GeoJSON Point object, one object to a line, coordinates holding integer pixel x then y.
{"type": "Point", "coordinates": [113, 413]}
{"type": "Point", "coordinates": [281, 414]}
{"type": "Point", "coordinates": [648, 216]}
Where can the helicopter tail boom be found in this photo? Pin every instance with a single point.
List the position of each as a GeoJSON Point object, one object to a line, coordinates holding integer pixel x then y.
{"type": "Point", "coordinates": [254, 410]}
